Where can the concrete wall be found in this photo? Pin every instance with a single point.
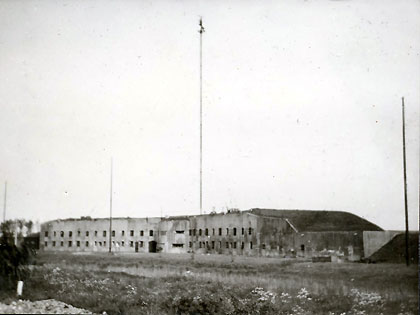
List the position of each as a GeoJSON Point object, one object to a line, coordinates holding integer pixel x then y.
{"type": "Point", "coordinates": [93, 235]}
{"type": "Point", "coordinates": [231, 233]}
{"type": "Point", "coordinates": [173, 235]}
{"type": "Point", "coordinates": [374, 240]}
{"type": "Point", "coordinates": [273, 235]}
{"type": "Point", "coordinates": [310, 244]}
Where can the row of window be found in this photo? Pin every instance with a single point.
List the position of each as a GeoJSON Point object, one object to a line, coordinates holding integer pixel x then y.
{"type": "Point", "coordinates": [96, 233]}
{"type": "Point", "coordinates": [100, 244]}
{"type": "Point", "coordinates": [206, 245]}
{"type": "Point", "coordinates": [193, 232]}
{"type": "Point", "coordinates": [212, 245]}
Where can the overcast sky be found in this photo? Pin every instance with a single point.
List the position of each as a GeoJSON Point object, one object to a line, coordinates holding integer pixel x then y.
{"type": "Point", "coordinates": [302, 107]}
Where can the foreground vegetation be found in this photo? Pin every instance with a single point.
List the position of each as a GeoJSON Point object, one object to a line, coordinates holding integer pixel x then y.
{"type": "Point", "coordinates": [175, 284]}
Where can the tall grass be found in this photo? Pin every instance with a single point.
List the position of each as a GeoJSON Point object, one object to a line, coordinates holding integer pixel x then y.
{"type": "Point", "coordinates": [393, 281]}
{"type": "Point", "coordinates": [155, 284]}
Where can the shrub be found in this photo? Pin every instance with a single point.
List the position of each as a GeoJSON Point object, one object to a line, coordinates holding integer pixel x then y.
{"type": "Point", "coordinates": [14, 262]}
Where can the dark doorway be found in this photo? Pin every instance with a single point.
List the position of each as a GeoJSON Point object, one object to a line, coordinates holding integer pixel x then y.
{"type": "Point", "coordinates": [137, 247]}
{"type": "Point", "coordinates": [302, 247]}
{"type": "Point", "coordinates": [152, 247]}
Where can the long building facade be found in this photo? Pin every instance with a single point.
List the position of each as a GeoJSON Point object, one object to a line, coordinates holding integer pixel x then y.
{"type": "Point", "coordinates": [255, 232]}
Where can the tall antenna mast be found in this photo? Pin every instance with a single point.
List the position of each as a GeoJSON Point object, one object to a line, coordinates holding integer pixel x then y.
{"type": "Point", "coordinates": [201, 31]}
{"type": "Point", "coordinates": [110, 214]}
{"type": "Point", "coordinates": [4, 204]}
{"type": "Point", "coordinates": [407, 259]}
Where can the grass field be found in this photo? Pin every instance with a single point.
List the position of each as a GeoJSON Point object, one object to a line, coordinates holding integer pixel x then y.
{"type": "Point", "coordinates": [174, 284]}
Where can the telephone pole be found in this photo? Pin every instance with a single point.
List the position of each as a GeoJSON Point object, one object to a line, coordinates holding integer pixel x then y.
{"type": "Point", "coordinates": [4, 203]}
{"type": "Point", "coordinates": [201, 31]}
{"type": "Point", "coordinates": [110, 214]}
{"type": "Point", "coordinates": [407, 258]}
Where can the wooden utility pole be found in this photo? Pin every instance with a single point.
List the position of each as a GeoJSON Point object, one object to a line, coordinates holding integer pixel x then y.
{"type": "Point", "coordinates": [110, 214]}
{"type": "Point", "coordinates": [407, 258]}
{"type": "Point", "coordinates": [201, 31]}
{"type": "Point", "coordinates": [4, 203]}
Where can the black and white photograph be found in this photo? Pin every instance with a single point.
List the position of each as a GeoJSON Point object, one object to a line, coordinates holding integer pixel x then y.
{"type": "Point", "coordinates": [209, 157]}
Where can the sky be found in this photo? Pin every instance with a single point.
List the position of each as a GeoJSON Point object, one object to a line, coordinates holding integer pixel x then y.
{"type": "Point", "coordinates": [301, 107]}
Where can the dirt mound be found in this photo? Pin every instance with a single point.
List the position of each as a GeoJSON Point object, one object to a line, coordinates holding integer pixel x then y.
{"type": "Point", "coordinates": [321, 221]}
{"type": "Point", "coordinates": [40, 307]}
{"type": "Point", "coordinates": [394, 250]}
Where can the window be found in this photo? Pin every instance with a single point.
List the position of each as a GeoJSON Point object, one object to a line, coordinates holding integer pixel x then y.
{"type": "Point", "coordinates": [70, 233]}
{"type": "Point", "coordinates": [104, 243]}
{"type": "Point", "coordinates": [62, 233]}
{"type": "Point", "coordinates": [141, 233]}
{"type": "Point", "coordinates": [96, 233]}
{"type": "Point", "coordinates": [227, 231]}
{"type": "Point", "coordinates": [141, 243]}
{"type": "Point", "coordinates": [212, 244]}
{"type": "Point", "coordinates": [190, 244]}
{"type": "Point", "coordinates": [250, 231]}
{"type": "Point", "coordinates": [220, 231]}
{"type": "Point", "coordinates": [214, 231]}
{"type": "Point", "coordinates": [122, 243]}
{"type": "Point", "coordinates": [199, 244]}
{"type": "Point", "coordinates": [207, 232]}
{"type": "Point", "coordinates": [234, 244]}
{"type": "Point", "coordinates": [190, 232]}
{"type": "Point", "coordinates": [53, 243]}
{"type": "Point", "coordinates": [113, 233]}
{"type": "Point", "coordinates": [178, 245]}
{"type": "Point", "coordinates": [122, 233]}
{"type": "Point", "coordinates": [302, 247]}
{"type": "Point", "coordinates": [220, 244]}
{"type": "Point", "coordinates": [243, 231]}
{"type": "Point", "coordinates": [78, 233]}
{"type": "Point", "coordinates": [87, 233]}
{"type": "Point", "coordinates": [46, 244]}
{"type": "Point", "coordinates": [62, 243]}
{"type": "Point", "coordinates": [104, 233]}
{"type": "Point", "coordinates": [227, 244]}
{"type": "Point", "coordinates": [70, 244]}
{"type": "Point", "coordinates": [55, 233]}
{"type": "Point", "coordinates": [78, 243]}
{"type": "Point", "coordinates": [207, 244]}
{"type": "Point", "coordinates": [194, 232]}
{"type": "Point", "coordinates": [151, 232]}
{"type": "Point", "coordinates": [263, 246]}
{"type": "Point", "coordinates": [87, 244]}
{"type": "Point", "coordinates": [179, 232]}
{"type": "Point", "coordinates": [250, 245]}
{"type": "Point", "coordinates": [131, 244]}
{"type": "Point", "coordinates": [242, 245]}
{"type": "Point", "coordinates": [199, 232]}
{"type": "Point", "coordinates": [46, 233]}
{"type": "Point", "coordinates": [132, 233]}
{"type": "Point", "coordinates": [100, 243]}
{"type": "Point", "coordinates": [234, 231]}
{"type": "Point", "coordinates": [96, 243]}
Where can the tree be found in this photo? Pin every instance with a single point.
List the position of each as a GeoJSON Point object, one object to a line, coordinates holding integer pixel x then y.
{"type": "Point", "coordinates": [14, 259]}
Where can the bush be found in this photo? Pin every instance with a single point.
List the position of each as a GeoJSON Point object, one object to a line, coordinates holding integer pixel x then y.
{"type": "Point", "coordinates": [14, 262]}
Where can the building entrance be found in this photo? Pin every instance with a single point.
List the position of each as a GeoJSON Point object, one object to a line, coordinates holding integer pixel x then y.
{"type": "Point", "coordinates": [152, 247]}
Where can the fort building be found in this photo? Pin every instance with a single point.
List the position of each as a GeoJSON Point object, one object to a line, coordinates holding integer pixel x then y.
{"type": "Point", "coordinates": [255, 232]}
